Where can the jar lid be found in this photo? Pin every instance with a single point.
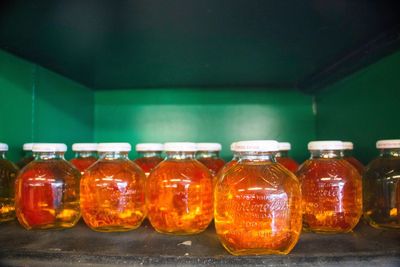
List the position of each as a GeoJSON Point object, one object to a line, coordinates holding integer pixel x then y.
{"type": "Point", "coordinates": [389, 143]}
{"type": "Point", "coordinates": [3, 147]}
{"type": "Point", "coordinates": [284, 146]}
{"type": "Point", "coordinates": [49, 147]}
{"type": "Point", "coordinates": [114, 147]}
{"type": "Point", "coordinates": [27, 147]}
{"type": "Point", "coordinates": [348, 146]}
{"type": "Point", "coordinates": [84, 147]}
{"type": "Point", "coordinates": [180, 146]}
{"type": "Point", "coordinates": [257, 146]}
{"type": "Point", "coordinates": [149, 147]}
{"type": "Point", "coordinates": [233, 147]}
{"type": "Point", "coordinates": [325, 145]}
{"type": "Point", "coordinates": [208, 146]}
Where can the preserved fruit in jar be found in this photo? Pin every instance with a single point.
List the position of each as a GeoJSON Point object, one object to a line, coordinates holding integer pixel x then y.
{"type": "Point", "coordinates": [149, 156]}
{"type": "Point", "coordinates": [331, 188]}
{"type": "Point", "coordinates": [8, 173]}
{"type": "Point", "coordinates": [208, 154]}
{"type": "Point", "coordinates": [381, 184]}
{"type": "Point", "coordinates": [113, 191]}
{"type": "Point", "coordinates": [28, 155]}
{"type": "Point", "coordinates": [179, 192]}
{"type": "Point", "coordinates": [283, 157]}
{"type": "Point", "coordinates": [258, 203]}
{"type": "Point", "coordinates": [47, 190]}
{"type": "Point", "coordinates": [348, 149]}
{"type": "Point", "coordinates": [85, 155]}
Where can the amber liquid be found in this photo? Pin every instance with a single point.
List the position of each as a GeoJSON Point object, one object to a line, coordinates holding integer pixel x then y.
{"type": "Point", "coordinates": [47, 195]}
{"type": "Point", "coordinates": [25, 161]}
{"type": "Point", "coordinates": [332, 195]}
{"type": "Point", "coordinates": [214, 165]}
{"type": "Point", "coordinates": [147, 164]}
{"type": "Point", "coordinates": [356, 164]}
{"type": "Point", "coordinates": [258, 208]}
{"type": "Point", "coordinates": [381, 194]}
{"type": "Point", "coordinates": [113, 196]}
{"type": "Point", "coordinates": [83, 163]}
{"type": "Point", "coordinates": [289, 163]}
{"type": "Point", "coordinates": [179, 197]}
{"type": "Point", "coordinates": [8, 173]}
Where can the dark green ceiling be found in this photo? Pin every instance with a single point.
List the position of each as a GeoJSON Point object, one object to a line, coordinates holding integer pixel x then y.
{"type": "Point", "coordinates": [159, 43]}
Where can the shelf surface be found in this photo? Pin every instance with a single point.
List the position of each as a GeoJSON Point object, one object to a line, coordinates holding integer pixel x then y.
{"type": "Point", "coordinates": [81, 246]}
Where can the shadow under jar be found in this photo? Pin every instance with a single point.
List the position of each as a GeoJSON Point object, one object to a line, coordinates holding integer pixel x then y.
{"type": "Point", "coordinates": [257, 206]}
{"type": "Point", "coordinates": [331, 189]}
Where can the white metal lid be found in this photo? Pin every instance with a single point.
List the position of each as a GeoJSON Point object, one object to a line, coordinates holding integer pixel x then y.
{"type": "Point", "coordinates": [149, 147]}
{"type": "Point", "coordinates": [84, 147]}
{"type": "Point", "coordinates": [3, 147]}
{"type": "Point", "coordinates": [49, 147]}
{"type": "Point", "coordinates": [208, 146]}
{"type": "Point", "coordinates": [233, 147]}
{"type": "Point", "coordinates": [389, 143]}
{"type": "Point", "coordinates": [257, 146]}
{"type": "Point", "coordinates": [284, 146]}
{"type": "Point", "coordinates": [180, 146]}
{"type": "Point", "coordinates": [348, 145]}
{"type": "Point", "coordinates": [325, 145]}
{"type": "Point", "coordinates": [27, 146]}
{"type": "Point", "coordinates": [114, 147]}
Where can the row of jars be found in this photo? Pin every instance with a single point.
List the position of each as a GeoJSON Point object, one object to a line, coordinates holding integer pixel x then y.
{"type": "Point", "coordinates": [259, 206]}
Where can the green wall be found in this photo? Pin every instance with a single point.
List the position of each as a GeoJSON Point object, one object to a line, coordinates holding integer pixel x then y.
{"type": "Point", "coordinates": [41, 106]}
{"type": "Point", "coordinates": [205, 115]}
{"type": "Point", "coordinates": [363, 107]}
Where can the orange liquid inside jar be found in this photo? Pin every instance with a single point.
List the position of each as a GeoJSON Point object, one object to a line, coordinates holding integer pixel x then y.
{"type": "Point", "coordinates": [331, 187]}
{"type": "Point", "coordinates": [149, 156]}
{"type": "Point", "coordinates": [8, 173]}
{"type": "Point", "coordinates": [381, 187]}
{"type": "Point", "coordinates": [113, 191]}
{"type": "Point", "coordinates": [85, 156]}
{"type": "Point", "coordinates": [283, 157]}
{"type": "Point", "coordinates": [208, 154]}
{"type": "Point", "coordinates": [179, 192]}
{"type": "Point", "coordinates": [348, 155]}
{"type": "Point", "coordinates": [47, 190]}
{"type": "Point", "coordinates": [258, 203]}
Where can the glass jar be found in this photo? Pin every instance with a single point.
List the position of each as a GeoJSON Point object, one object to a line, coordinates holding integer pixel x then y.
{"type": "Point", "coordinates": [8, 173]}
{"type": "Point", "coordinates": [47, 190]}
{"type": "Point", "coordinates": [381, 183]}
{"type": "Point", "coordinates": [331, 187]}
{"type": "Point", "coordinates": [283, 157]}
{"type": "Point", "coordinates": [85, 155]}
{"type": "Point", "coordinates": [348, 155]}
{"type": "Point", "coordinates": [180, 192]}
{"type": "Point", "coordinates": [231, 163]}
{"type": "Point", "coordinates": [28, 155]}
{"type": "Point", "coordinates": [149, 156]}
{"type": "Point", "coordinates": [113, 191]}
{"type": "Point", "coordinates": [208, 154]}
{"type": "Point", "coordinates": [257, 206]}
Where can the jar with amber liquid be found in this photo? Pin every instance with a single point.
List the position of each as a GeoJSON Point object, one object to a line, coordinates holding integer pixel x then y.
{"type": "Point", "coordinates": [8, 173]}
{"type": "Point", "coordinates": [85, 156]}
{"type": "Point", "coordinates": [208, 154]}
{"type": "Point", "coordinates": [257, 206]}
{"type": "Point", "coordinates": [381, 184]}
{"type": "Point", "coordinates": [348, 155]}
{"type": "Point", "coordinates": [179, 192]}
{"type": "Point", "coordinates": [28, 155]}
{"type": "Point", "coordinates": [113, 191]}
{"type": "Point", "coordinates": [149, 156]}
{"type": "Point", "coordinates": [331, 188]}
{"type": "Point", "coordinates": [283, 157]}
{"type": "Point", "coordinates": [230, 163]}
{"type": "Point", "coordinates": [47, 190]}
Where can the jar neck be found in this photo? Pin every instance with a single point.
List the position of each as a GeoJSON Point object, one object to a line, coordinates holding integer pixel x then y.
{"type": "Point", "coordinates": [256, 156]}
{"type": "Point", "coordinates": [179, 155]}
{"type": "Point", "coordinates": [48, 155]}
{"type": "Point", "coordinates": [392, 152]}
{"type": "Point", "coordinates": [282, 154]}
{"type": "Point", "coordinates": [85, 154]}
{"type": "Point", "coordinates": [326, 154]}
{"type": "Point", "coordinates": [149, 154]}
{"type": "Point", "coordinates": [112, 155]}
{"type": "Point", "coordinates": [207, 154]}
{"type": "Point", "coordinates": [3, 155]}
